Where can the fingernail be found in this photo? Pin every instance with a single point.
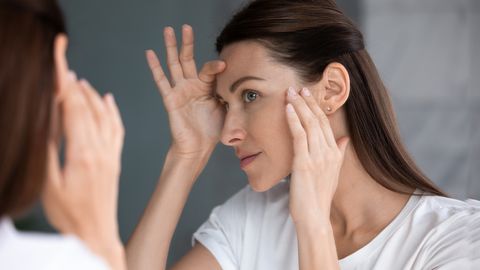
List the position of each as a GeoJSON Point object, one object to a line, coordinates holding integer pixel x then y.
{"type": "Point", "coordinates": [305, 92]}
{"type": "Point", "coordinates": [85, 83]}
{"type": "Point", "coordinates": [170, 30]}
{"type": "Point", "coordinates": [291, 92]}
{"type": "Point", "coordinates": [72, 75]}
{"type": "Point", "coordinates": [110, 98]}
{"type": "Point", "coordinates": [290, 108]}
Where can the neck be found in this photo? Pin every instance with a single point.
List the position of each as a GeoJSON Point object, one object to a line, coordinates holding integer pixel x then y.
{"type": "Point", "coordinates": [360, 203]}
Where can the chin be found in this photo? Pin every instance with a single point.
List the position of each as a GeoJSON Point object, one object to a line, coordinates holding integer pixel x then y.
{"type": "Point", "coordinates": [262, 184]}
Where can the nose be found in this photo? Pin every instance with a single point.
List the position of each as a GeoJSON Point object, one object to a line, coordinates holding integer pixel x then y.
{"type": "Point", "coordinates": [233, 132]}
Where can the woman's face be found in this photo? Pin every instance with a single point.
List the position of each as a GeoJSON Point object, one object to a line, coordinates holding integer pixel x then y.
{"type": "Point", "coordinates": [253, 88]}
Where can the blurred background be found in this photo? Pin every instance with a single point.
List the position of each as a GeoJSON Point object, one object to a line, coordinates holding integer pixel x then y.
{"type": "Point", "coordinates": [426, 51]}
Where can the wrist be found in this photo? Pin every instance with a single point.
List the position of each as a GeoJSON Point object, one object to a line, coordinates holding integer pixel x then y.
{"type": "Point", "coordinates": [110, 248]}
{"type": "Point", "coordinates": [180, 166]}
{"type": "Point", "coordinates": [312, 227]}
{"type": "Point", "coordinates": [197, 156]}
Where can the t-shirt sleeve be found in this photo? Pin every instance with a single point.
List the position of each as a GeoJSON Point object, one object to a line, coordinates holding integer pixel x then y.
{"type": "Point", "coordinates": [75, 255]}
{"type": "Point", "coordinates": [222, 233]}
{"type": "Point", "coordinates": [455, 245]}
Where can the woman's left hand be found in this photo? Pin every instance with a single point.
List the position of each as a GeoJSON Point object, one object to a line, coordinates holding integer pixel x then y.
{"type": "Point", "coordinates": [317, 161]}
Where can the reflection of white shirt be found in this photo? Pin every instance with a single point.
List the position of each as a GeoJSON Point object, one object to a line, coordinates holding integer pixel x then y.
{"type": "Point", "coordinates": [255, 231]}
{"type": "Point", "coordinates": [40, 251]}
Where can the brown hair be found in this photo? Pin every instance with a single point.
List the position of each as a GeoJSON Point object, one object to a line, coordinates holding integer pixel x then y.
{"type": "Point", "coordinates": [310, 34]}
{"type": "Point", "coordinates": [27, 84]}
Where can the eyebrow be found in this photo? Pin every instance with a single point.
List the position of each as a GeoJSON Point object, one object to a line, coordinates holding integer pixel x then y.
{"type": "Point", "coordinates": [238, 82]}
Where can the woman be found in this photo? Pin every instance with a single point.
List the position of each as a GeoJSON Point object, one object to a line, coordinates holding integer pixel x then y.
{"type": "Point", "coordinates": [42, 104]}
{"type": "Point", "coordinates": [330, 184]}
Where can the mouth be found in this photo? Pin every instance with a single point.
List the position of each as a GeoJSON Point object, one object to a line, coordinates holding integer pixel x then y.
{"type": "Point", "coordinates": [246, 160]}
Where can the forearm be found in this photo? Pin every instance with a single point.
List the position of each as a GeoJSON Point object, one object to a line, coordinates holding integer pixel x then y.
{"type": "Point", "coordinates": [316, 246]}
{"type": "Point", "coordinates": [148, 247]}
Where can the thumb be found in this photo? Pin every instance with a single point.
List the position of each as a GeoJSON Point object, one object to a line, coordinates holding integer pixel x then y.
{"type": "Point", "coordinates": [210, 70]}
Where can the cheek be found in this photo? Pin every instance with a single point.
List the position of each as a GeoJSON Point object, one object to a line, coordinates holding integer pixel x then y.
{"type": "Point", "coordinates": [281, 141]}
{"type": "Point", "coordinates": [272, 133]}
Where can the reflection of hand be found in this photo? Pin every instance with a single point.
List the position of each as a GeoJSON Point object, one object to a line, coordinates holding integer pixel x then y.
{"type": "Point", "coordinates": [195, 116]}
{"type": "Point", "coordinates": [81, 197]}
{"type": "Point", "coordinates": [317, 159]}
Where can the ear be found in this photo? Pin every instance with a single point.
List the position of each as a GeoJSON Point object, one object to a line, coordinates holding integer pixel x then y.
{"type": "Point", "coordinates": [334, 87]}
{"type": "Point", "coordinates": [61, 64]}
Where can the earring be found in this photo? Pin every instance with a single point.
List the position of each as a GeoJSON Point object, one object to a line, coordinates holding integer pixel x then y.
{"type": "Point", "coordinates": [329, 109]}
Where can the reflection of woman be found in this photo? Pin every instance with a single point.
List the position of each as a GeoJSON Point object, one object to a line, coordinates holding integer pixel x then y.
{"type": "Point", "coordinates": [37, 91]}
{"type": "Point", "coordinates": [354, 199]}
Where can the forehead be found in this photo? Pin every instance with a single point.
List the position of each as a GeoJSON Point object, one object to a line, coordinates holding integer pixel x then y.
{"type": "Point", "coordinates": [250, 58]}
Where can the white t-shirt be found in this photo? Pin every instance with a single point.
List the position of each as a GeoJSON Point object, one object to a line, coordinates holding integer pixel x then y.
{"type": "Point", "coordinates": [41, 251]}
{"type": "Point", "coordinates": [255, 231]}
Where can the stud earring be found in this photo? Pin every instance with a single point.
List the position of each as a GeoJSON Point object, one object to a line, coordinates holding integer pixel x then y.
{"type": "Point", "coordinates": [329, 109]}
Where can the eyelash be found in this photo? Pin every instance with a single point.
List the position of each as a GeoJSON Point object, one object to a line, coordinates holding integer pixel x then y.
{"type": "Point", "coordinates": [243, 96]}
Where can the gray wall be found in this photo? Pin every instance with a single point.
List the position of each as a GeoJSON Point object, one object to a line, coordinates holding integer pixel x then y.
{"type": "Point", "coordinates": [427, 54]}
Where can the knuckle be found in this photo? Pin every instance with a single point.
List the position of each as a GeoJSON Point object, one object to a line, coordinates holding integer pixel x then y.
{"type": "Point", "coordinates": [186, 57]}
{"type": "Point", "coordinates": [85, 158]}
{"type": "Point", "coordinates": [173, 62]}
{"type": "Point", "coordinates": [311, 121]}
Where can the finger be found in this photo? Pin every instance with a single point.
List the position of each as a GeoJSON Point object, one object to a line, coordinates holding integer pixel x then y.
{"type": "Point", "coordinates": [315, 138]}
{"type": "Point", "coordinates": [116, 119]}
{"type": "Point", "coordinates": [96, 105]}
{"type": "Point", "coordinates": [78, 122]}
{"type": "Point", "coordinates": [61, 63]}
{"type": "Point", "coordinates": [161, 80]}
{"type": "Point", "coordinates": [187, 53]}
{"type": "Point", "coordinates": [321, 116]}
{"type": "Point", "coordinates": [300, 146]}
{"type": "Point", "coordinates": [173, 62]}
{"type": "Point", "coordinates": [210, 70]}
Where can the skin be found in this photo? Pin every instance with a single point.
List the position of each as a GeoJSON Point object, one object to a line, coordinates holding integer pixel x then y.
{"type": "Point", "coordinates": [80, 198]}
{"type": "Point", "coordinates": [297, 129]}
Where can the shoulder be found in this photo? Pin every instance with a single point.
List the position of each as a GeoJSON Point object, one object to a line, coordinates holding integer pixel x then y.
{"type": "Point", "coordinates": [443, 209]}
{"type": "Point", "coordinates": [26, 250]}
{"type": "Point", "coordinates": [453, 226]}
{"type": "Point", "coordinates": [446, 217]}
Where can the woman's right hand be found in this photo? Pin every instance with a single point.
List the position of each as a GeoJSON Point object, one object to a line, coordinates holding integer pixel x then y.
{"type": "Point", "coordinates": [80, 197]}
{"type": "Point", "coordinates": [195, 115]}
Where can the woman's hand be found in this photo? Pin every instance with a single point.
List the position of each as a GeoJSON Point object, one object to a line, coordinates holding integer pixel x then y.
{"type": "Point", "coordinates": [81, 197]}
{"type": "Point", "coordinates": [317, 161]}
{"type": "Point", "coordinates": [195, 116]}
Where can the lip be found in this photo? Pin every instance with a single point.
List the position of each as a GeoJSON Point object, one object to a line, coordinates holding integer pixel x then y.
{"type": "Point", "coordinates": [247, 159]}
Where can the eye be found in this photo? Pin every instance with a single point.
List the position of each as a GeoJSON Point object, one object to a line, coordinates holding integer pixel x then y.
{"type": "Point", "coordinates": [249, 96]}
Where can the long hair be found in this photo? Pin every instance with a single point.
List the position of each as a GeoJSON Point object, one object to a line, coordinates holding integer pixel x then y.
{"type": "Point", "coordinates": [307, 35]}
{"type": "Point", "coordinates": [27, 83]}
